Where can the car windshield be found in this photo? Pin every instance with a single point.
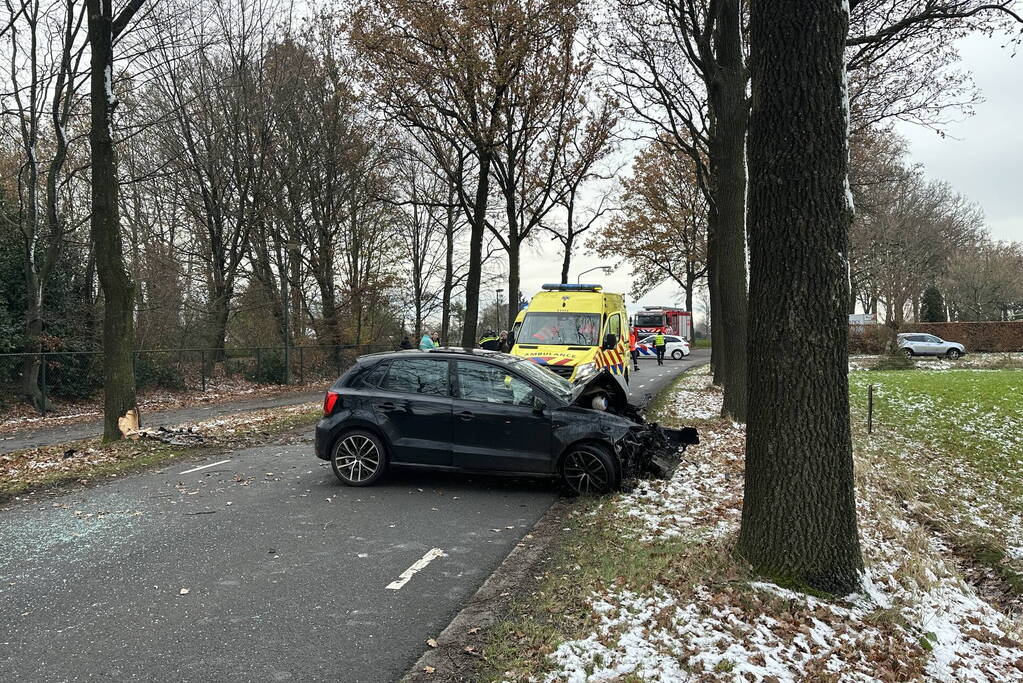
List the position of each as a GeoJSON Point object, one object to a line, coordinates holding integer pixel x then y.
{"type": "Point", "coordinates": [562, 328]}
{"type": "Point", "coordinates": [547, 380]}
{"type": "Point", "coordinates": [648, 320]}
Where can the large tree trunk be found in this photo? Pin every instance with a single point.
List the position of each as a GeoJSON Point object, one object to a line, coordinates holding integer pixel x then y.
{"type": "Point", "coordinates": [514, 252]}
{"type": "Point", "coordinates": [728, 106]}
{"type": "Point", "coordinates": [118, 288]}
{"type": "Point", "coordinates": [714, 293]}
{"type": "Point", "coordinates": [30, 369]}
{"type": "Point", "coordinates": [799, 510]}
{"type": "Point", "coordinates": [473, 277]}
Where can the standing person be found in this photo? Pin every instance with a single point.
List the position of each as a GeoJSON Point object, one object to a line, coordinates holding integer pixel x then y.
{"type": "Point", "coordinates": [503, 343]}
{"type": "Point", "coordinates": [489, 341]}
{"type": "Point", "coordinates": [436, 339]}
{"type": "Point", "coordinates": [405, 343]}
{"type": "Point", "coordinates": [633, 351]}
{"type": "Point", "coordinates": [659, 346]}
{"type": "Point", "coordinates": [426, 342]}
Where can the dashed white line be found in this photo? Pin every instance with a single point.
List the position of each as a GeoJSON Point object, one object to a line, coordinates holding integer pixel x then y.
{"type": "Point", "coordinates": [212, 464]}
{"type": "Point", "coordinates": [416, 567]}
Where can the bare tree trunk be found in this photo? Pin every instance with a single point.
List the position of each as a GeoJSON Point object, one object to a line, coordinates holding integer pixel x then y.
{"type": "Point", "coordinates": [717, 336]}
{"type": "Point", "coordinates": [118, 288]}
{"type": "Point", "coordinates": [473, 277]}
{"type": "Point", "coordinates": [449, 266]}
{"type": "Point", "coordinates": [727, 151]}
{"type": "Point", "coordinates": [514, 252]}
{"type": "Point", "coordinates": [799, 510]}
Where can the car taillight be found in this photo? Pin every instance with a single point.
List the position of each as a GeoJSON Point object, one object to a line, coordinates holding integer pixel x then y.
{"type": "Point", "coordinates": [329, 401]}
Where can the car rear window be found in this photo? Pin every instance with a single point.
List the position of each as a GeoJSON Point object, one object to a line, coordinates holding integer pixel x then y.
{"type": "Point", "coordinates": [418, 376]}
{"type": "Point", "coordinates": [370, 377]}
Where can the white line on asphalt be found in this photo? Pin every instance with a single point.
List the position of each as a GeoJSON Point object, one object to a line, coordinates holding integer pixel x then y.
{"type": "Point", "coordinates": [416, 567]}
{"type": "Point", "coordinates": [212, 464]}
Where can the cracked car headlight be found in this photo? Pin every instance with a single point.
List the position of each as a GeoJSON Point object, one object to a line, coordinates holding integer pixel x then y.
{"type": "Point", "coordinates": [585, 371]}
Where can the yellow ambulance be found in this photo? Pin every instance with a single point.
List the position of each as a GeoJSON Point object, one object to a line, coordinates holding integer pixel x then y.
{"type": "Point", "coordinates": [576, 331]}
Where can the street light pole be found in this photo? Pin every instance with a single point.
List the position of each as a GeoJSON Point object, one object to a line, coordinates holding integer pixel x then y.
{"type": "Point", "coordinates": [606, 269]}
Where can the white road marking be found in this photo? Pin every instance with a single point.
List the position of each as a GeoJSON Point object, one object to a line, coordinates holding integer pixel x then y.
{"type": "Point", "coordinates": [416, 567]}
{"type": "Point", "coordinates": [212, 464]}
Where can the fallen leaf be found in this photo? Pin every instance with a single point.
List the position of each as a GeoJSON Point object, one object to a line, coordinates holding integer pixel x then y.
{"type": "Point", "coordinates": [183, 591]}
{"type": "Point", "coordinates": [429, 669]}
{"type": "Point", "coordinates": [474, 629]}
{"type": "Point", "coordinates": [431, 642]}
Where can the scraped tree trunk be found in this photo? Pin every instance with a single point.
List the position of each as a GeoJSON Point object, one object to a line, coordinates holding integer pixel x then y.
{"type": "Point", "coordinates": [727, 156]}
{"type": "Point", "coordinates": [717, 337]}
{"type": "Point", "coordinates": [118, 288]}
{"type": "Point", "coordinates": [799, 510]}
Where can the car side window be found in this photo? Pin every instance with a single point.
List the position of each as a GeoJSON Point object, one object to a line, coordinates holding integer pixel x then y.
{"type": "Point", "coordinates": [492, 384]}
{"type": "Point", "coordinates": [417, 377]}
{"type": "Point", "coordinates": [672, 340]}
{"type": "Point", "coordinates": [372, 377]}
{"type": "Point", "coordinates": [932, 339]}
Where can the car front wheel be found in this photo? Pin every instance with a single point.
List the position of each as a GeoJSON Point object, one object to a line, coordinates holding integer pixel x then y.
{"type": "Point", "coordinates": [954, 354]}
{"type": "Point", "coordinates": [358, 458]}
{"type": "Point", "coordinates": [587, 469]}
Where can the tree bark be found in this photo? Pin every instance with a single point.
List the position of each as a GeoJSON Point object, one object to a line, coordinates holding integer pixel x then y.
{"type": "Point", "coordinates": [473, 277]}
{"type": "Point", "coordinates": [799, 510]}
{"type": "Point", "coordinates": [118, 288]}
{"type": "Point", "coordinates": [727, 157]}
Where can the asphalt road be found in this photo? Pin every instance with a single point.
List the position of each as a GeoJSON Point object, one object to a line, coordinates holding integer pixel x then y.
{"type": "Point", "coordinates": [259, 568]}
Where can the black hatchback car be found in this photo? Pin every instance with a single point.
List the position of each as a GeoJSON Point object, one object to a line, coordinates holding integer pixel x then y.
{"type": "Point", "coordinates": [475, 411]}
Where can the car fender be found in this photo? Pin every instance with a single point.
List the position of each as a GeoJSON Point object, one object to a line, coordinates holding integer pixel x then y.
{"type": "Point", "coordinates": [350, 420]}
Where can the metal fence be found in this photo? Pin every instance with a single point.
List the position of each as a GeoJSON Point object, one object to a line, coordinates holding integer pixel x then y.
{"type": "Point", "coordinates": [78, 375]}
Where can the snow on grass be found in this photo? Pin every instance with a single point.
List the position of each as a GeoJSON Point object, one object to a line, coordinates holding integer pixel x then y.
{"type": "Point", "coordinates": [693, 398]}
{"type": "Point", "coordinates": [971, 361]}
{"type": "Point", "coordinates": [915, 618]}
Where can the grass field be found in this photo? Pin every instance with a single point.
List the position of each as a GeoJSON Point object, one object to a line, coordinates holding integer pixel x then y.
{"type": "Point", "coordinates": [647, 588]}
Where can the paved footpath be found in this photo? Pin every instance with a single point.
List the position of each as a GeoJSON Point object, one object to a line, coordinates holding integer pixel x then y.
{"type": "Point", "coordinates": [46, 435]}
{"type": "Point", "coordinates": [253, 565]}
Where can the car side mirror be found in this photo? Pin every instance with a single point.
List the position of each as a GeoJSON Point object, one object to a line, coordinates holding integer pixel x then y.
{"type": "Point", "coordinates": [610, 341]}
{"type": "Point", "coordinates": [538, 404]}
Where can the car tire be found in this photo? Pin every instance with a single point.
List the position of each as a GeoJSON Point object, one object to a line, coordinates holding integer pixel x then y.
{"type": "Point", "coordinates": [954, 354]}
{"type": "Point", "coordinates": [677, 354]}
{"type": "Point", "coordinates": [588, 469]}
{"type": "Point", "coordinates": [908, 352]}
{"type": "Point", "coordinates": [358, 458]}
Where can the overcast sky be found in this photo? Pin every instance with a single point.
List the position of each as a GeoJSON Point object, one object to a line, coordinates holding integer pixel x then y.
{"type": "Point", "coordinates": [981, 157]}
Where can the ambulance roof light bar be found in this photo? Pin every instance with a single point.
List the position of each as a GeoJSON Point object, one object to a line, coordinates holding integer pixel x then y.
{"type": "Point", "coordinates": [572, 288]}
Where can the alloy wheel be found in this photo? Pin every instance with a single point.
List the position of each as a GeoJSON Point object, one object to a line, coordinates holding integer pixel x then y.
{"type": "Point", "coordinates": [585, 473]}
{"type": "Point", "coordinates": [357, 458]}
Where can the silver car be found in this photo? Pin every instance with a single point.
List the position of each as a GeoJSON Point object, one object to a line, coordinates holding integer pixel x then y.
{"type": "Point", "coordinates": [916, 344]}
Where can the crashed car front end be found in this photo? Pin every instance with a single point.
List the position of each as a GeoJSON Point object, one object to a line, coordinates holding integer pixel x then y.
{"type": "Point", "coordinates": [644, 449]}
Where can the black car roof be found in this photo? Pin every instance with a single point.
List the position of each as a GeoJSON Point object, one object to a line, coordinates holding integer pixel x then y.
{"type": "Point", "coordinates": [452, 351]}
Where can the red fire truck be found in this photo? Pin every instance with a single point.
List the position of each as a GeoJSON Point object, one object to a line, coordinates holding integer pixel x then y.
{"type": "Point", "coordinates": [663, 319]}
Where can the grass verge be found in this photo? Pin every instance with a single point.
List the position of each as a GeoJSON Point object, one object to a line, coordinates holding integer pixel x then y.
{"type": "Point", "coordinates": [646, 588]}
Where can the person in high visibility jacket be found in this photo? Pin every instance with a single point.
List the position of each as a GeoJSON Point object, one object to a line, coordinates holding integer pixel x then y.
{"type": "Point", "coordinates": [490, 341]}
{"type": "Point", "coordinates": [633, 351]}
{"type": "Point", "coordinates": [659, 346]}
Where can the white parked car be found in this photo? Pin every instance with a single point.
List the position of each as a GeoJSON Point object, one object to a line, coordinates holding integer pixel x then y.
{"type": "Point", "coordinates": [917, 344]}
{"type": "Point", "coordinates": [675, 347]}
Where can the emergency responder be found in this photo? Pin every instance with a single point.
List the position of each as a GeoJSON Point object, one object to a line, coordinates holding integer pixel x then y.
{"type": "Point", "coordinates": [633, 351]}
{"type": "Point", "coordinates": [659, 347]}
{"type": "Point", "coordinates": [489, 341]}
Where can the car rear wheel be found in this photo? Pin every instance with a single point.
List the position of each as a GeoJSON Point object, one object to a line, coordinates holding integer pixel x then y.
{"type": "Point", "coordinates": [587, 469]}
{"type": "Point", "coordinates": [358, 458]}
{"type": "Point", "coordinates": [677, 354]}
{"type": "Point", "coordinates": [908, 351]}
{"type": "Point", "coordinates": [954, 354]}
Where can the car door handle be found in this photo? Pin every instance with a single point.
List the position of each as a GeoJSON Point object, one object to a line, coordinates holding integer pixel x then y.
{"type": "Point", "coordinates": [465, 415]}
{"type": "Point", "coordinates": [387, 406]}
